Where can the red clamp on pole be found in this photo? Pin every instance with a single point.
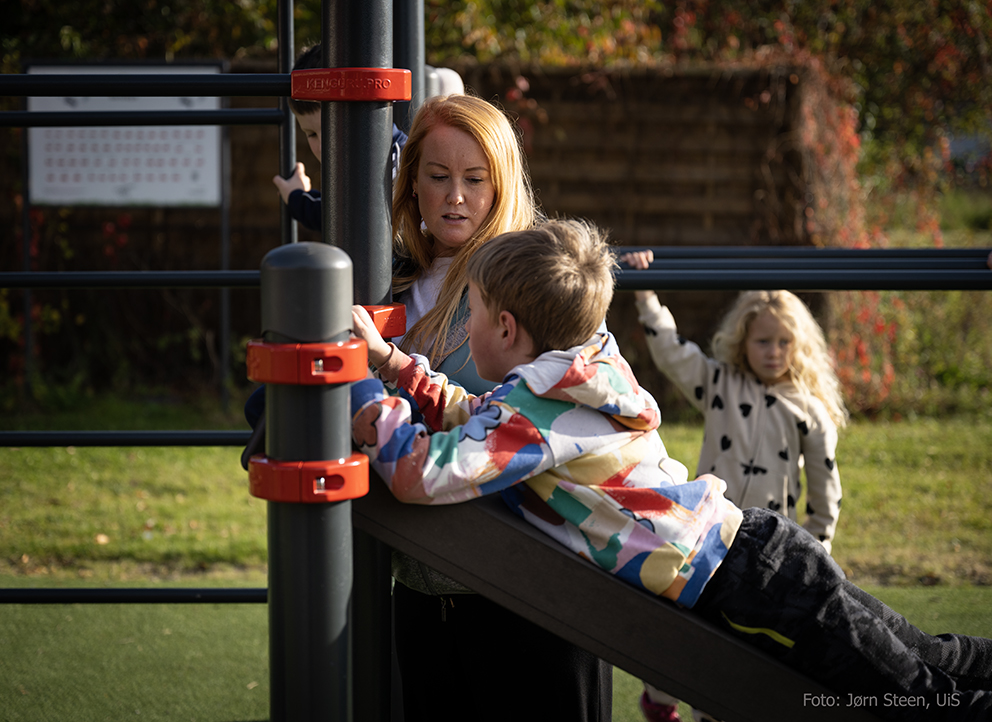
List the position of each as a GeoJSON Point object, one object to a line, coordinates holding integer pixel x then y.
{"type": "Point", "coordinates": [308, 482]}
{"type": "Point", "coordinates": [351, 84]}
{"type": "Point", "coordinates": [389, 320]}
{"type": "Point", "coordinates": [307, 364]}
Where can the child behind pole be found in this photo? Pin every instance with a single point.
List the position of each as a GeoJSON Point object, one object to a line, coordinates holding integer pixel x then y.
{"type": "Point", "coordinates": [570, 441]}
{"type": "Point", "coordinates": [302, 203]}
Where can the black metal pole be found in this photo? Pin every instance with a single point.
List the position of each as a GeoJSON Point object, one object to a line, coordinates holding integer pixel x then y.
{"type": "Point", "coordinates": [356, 174]}
{"type": "Point", "coordinates": [228, 116]}
{"type": "Point", "coordinates": [802, 252]}
{"type": "Point", "coordinates": [225, 265]}
{"type": "Point", "coordinates": [123, 438]}
{"type": "Point", "coordinates": [146, 86]}
{"type": "Point", "coordinates": [306, 298]}
{"type": "Point", "coordinates": [130, 279]}
{"type": "Point", "coordinates": [287, 129]}
{"type": "Point", "coordinates": [807, 279]}
{"type": "Point", "coordinates": [833, 263]}
{"type": "Point", "coordinates": [409, 52]}
{"type": "Point", "coordinates": [133, 596]}
{"type": "Point", "coordinates": [373, 625]}
{"type": "Point", "coordinates": [356, 188]}
{"type": "Point", "coordinates": [895, 275]}
{"type": "Point", "coordinates": [26, 263]}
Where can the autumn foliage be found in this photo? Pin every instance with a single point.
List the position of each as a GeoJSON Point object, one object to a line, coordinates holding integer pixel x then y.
{"type": "Point", "coordinates": [886, 85]}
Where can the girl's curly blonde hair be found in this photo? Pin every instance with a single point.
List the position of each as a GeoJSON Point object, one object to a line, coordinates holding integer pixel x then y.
{"type": "Point", "coordinates": [811, 367]}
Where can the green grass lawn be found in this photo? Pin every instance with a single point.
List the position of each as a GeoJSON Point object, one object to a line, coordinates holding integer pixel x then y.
{"type": "Point", "coordinates": [210, 662]}
{"type": "Point", "coordinates": [916, 530]}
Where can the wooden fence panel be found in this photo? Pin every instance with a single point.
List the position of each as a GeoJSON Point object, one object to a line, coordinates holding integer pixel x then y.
{"type": "Point", "coordinates": [683, 158]}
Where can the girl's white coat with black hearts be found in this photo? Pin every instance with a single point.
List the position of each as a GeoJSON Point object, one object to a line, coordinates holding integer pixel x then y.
{"type": "Point", "coordinates": [757, 437]}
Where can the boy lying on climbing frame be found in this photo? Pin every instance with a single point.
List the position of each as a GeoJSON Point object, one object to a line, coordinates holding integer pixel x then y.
{"type": "Point", "coordinates": [570, 441]}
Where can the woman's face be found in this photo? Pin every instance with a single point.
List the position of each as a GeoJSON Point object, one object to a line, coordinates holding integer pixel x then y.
{"type": "Point", "coordinates": [454, 187]}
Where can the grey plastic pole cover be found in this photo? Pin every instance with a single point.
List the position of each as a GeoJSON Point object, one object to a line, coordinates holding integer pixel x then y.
{"type": "Point", "coordinates": [306, 293]}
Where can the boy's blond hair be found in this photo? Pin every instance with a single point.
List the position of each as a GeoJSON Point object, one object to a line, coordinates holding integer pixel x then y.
{"type": "Point", "coordinates": [513, 209]}
{"type": "Point", "coordinates": [556, 280]}
{"type": "Point", "coordinates": [811, 368]}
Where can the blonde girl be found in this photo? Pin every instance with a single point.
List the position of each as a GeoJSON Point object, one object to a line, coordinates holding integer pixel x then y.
{"type": "Point", "coordinates": [770, 397]}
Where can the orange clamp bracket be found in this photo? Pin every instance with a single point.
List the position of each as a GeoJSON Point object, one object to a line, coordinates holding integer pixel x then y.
{"type": "Point", "coordinates": [389, 320]}
{"type": "Point", "coordinates": [351, 84]}
{"type": "Point", "coordinates": [308, 482]}
{"type": "Point", "coordinates": [307, 364]}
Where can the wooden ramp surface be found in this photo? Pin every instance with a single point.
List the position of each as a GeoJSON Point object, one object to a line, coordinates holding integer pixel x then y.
{"type": "Point", "coordinates": [483, 545]}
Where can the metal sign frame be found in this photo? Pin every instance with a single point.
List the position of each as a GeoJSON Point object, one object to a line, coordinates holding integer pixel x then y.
{"type": "Point", "coordinates": [141, 165]}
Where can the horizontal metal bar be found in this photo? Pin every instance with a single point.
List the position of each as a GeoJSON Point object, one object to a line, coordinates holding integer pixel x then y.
{"type": "Point", "coordinates": [134, 596]}
{"type": "Point", "coordinates": [130, 279]}
{"type": "Point", "coordinates": [100, 118]}
{"type": "Point", "coordinates": [150, 85]}
{"type": "Point", "coordinates": [832, 262]}
{"type": "Point", "coordinates": [675, 274]}
{"type": "Point", "coordinates": [803, 252]}
{"type": "Point", "coordinates": [806, 280]}
{"type": "Point", "coordinates": [123, 438]}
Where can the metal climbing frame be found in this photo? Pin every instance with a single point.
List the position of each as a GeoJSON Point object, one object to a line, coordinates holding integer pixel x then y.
{"type": "Point", "coordinates": [310, 543]}
{"type": "Point", "coordinates": [308, 451]}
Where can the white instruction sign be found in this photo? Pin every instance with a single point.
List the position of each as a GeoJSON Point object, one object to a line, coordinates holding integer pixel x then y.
{"type": "Point", "coordinates": [167, 165]}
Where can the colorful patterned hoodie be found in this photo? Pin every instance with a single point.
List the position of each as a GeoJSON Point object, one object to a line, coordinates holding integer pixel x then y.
{"type": "Point", "coordinates": [571, 442]}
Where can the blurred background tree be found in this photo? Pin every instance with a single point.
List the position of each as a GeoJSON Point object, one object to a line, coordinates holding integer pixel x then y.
{"type": "Point", "coordinates": [888, 87]}
{"type": "Point", "coordinates": [917, 72]}
{"type": "Point", "coordinates": [138, 29]}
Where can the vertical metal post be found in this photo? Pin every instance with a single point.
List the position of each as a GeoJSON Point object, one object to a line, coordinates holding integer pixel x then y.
{"type": "Point", "coordinates": [26, 263]}
{"type": "Point", "coordinates": [356, 188]}
{"type": "Point", "coordinates": [225, 265]}
{"type": "Point", "coordinates": [287, 129]}
{"type": "Point", "coordinates": [409, 52]}
{"type": "Point", "coordinates": [356, 175]}
{"type": "Point", "coordinates": [306, 298]}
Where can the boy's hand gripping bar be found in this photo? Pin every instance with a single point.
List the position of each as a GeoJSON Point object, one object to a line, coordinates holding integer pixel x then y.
{"type": "Point", "coordinates": [314, 364]}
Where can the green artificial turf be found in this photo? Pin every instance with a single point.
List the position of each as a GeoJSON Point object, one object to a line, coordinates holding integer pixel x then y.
{"type": "Point", "coordinates": [89, 662]}
{"type": "Point", "coordinates": [917, 516]}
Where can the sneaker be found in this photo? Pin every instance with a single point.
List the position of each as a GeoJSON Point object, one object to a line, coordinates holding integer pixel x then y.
{"type": "Point", "coordinates": [654, 712]}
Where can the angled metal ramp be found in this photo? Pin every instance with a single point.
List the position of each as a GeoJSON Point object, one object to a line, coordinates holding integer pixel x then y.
{"type": "Point", "coordinates": [483, 545]}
